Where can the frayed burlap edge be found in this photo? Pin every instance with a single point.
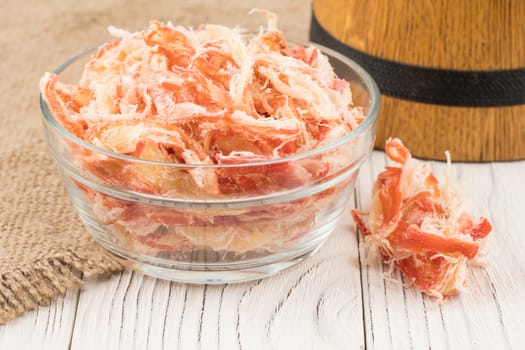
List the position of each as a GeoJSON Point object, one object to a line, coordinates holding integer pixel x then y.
{"type": "Point", "coordinates": [25, 289]}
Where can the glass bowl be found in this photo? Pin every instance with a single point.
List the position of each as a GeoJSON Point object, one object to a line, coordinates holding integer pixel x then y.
{"type": "Point", "coordinates": [250, 232]}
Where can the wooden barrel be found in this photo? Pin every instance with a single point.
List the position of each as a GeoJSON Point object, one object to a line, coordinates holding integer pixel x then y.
{"type": "Point", "coordinates": [451, 73]}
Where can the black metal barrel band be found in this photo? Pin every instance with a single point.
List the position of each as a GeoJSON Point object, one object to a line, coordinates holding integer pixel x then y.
{"type": "Point", "coordinates": [468, 88]}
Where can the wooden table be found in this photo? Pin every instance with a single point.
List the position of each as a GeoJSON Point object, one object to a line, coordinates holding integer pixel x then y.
{"type": "Point", "coordinates": [330, 301]}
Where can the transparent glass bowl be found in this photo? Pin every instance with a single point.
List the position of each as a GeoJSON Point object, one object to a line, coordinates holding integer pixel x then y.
{"type": "Point", "coordinates": [197, 237]}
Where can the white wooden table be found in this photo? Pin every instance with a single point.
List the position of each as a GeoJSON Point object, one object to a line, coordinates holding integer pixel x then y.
{"type": "Point", "coordinates": [330, 301]}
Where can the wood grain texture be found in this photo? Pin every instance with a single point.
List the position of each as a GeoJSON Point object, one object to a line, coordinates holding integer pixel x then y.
{"type": "Point", "coordinates": [469, 35]}
{"type": "Point", "coordinates": [49, 327]}
{"type": "Point", "coordinates": [466, 35]}
{"type": "Point", "coordinates": [470, 134]}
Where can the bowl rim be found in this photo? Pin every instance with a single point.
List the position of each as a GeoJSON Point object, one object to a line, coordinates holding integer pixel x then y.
{"type": "Point", "coordinates": [371, 117]}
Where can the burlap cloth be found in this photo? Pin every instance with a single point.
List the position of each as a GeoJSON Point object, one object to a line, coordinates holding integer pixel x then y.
{"type": "Point", "coordinates": [44, 248]}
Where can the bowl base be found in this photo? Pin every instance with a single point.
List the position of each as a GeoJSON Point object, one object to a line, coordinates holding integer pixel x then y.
{"type": "Point", "coordinates": [228, 274]}
{"type": "Point", "coordinates": [220, 277]}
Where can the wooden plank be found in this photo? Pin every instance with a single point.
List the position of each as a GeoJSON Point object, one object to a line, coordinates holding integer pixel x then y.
{"type": "Point", "coordinates": [314, 305]}
{"type": "Point", "coordinates": [48, 327]}
{"type": "Point", "coordinates": [489, 314]}
{"type": "Point", "coordinates": [505, 273]}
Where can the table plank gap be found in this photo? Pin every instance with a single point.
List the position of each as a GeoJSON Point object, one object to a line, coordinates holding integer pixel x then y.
{"type": "Point", "coordinates": [78, 291]}
{"type": "Point", "coordinates": [358, 206]}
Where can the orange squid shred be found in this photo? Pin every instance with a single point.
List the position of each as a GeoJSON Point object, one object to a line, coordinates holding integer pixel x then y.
{"type": "Point", "coordinates": [421, 229]}
{"type": "Point", "coordinates": [211, 96]}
